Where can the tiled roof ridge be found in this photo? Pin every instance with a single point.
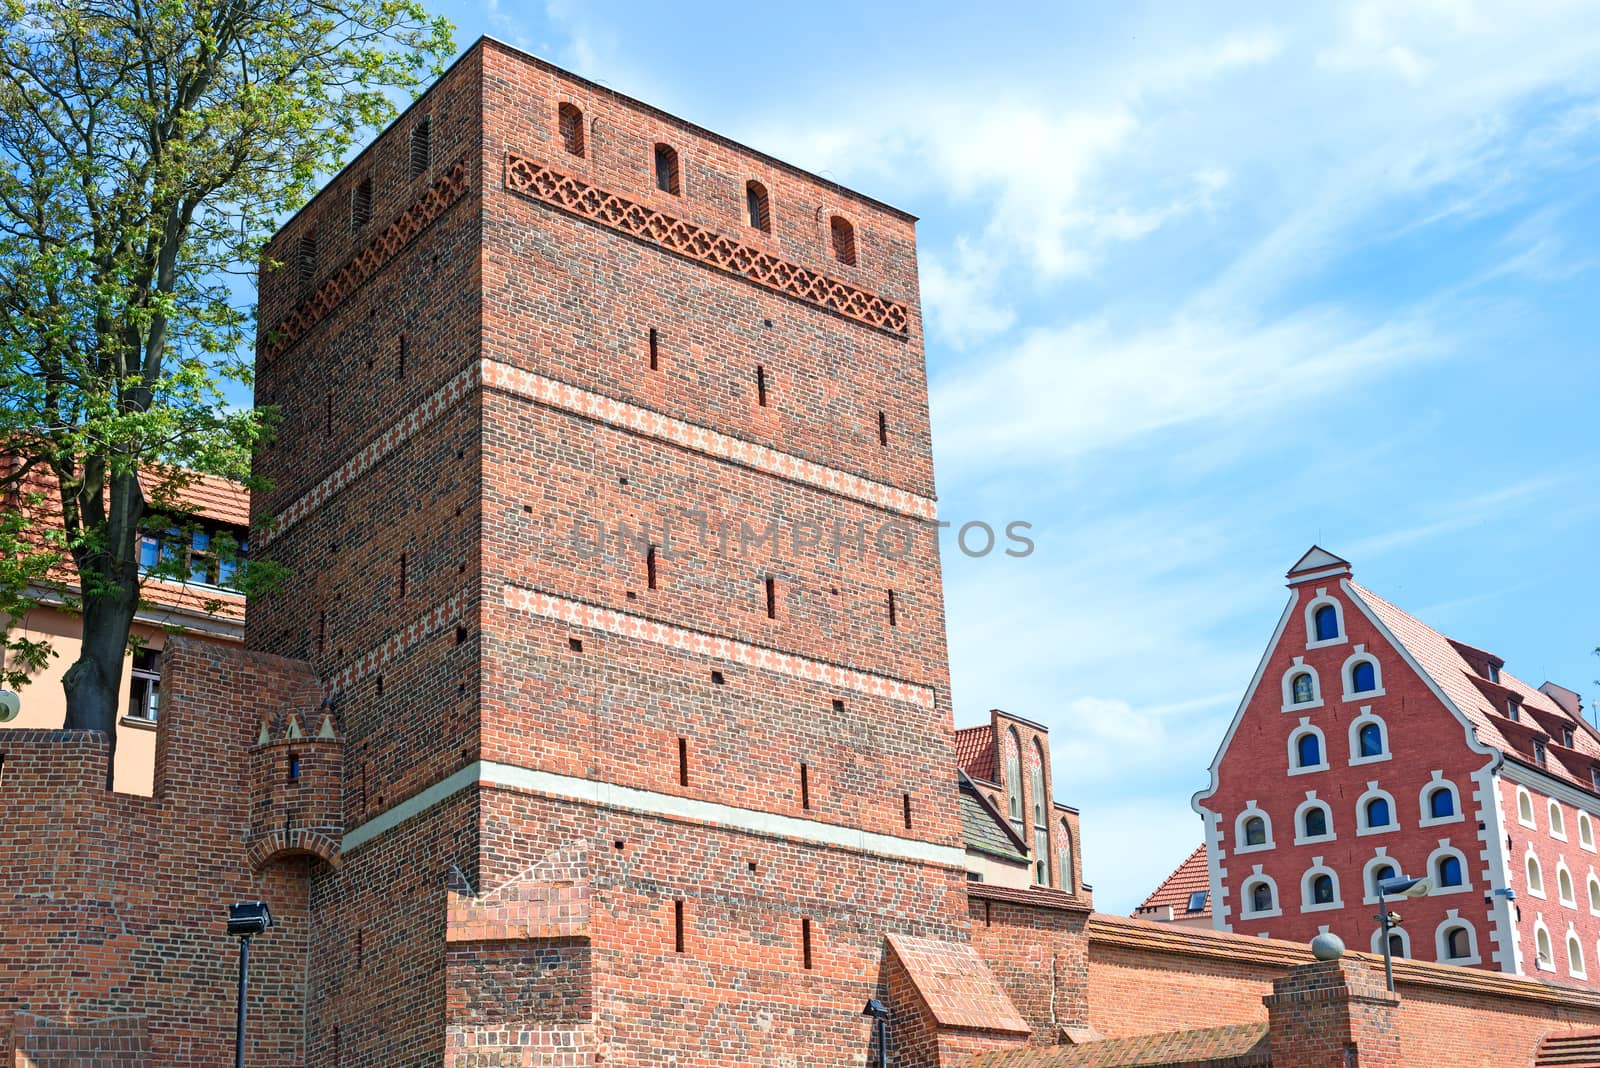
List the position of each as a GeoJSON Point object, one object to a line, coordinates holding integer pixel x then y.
{"type": "Point", "coordinates": [1198, 853]}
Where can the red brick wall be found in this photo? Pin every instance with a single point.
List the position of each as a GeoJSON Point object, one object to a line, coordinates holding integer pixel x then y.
{"type": "Point", "coordinates": [1041, 957]}
{"type": "Point", "coordinates": [114, 906]}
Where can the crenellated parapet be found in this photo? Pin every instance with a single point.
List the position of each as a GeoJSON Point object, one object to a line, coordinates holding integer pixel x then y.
{"type": "Point", "coordinates": [296, 778]}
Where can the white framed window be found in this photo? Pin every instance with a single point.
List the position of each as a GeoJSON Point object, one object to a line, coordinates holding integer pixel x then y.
{"type": "Point", "coordinates": [1380, 868]}
{"type": "Point", "coordinates": [1252, 830]}
{"type": "Point", "coordinates": [1535, 874]}
{"type": "Point", "coordinates": [1447, 869]}
{"type": "Point", "coordinates": [1301, 687]}
{"type": "Point", "coordinates": [1376, 812]}
{"type": "Point", "coordinates": [1575, 954]}
{"type": "Point", "coordinates": [1399, 942]}
{"type": "Point", "coordinates": [1455, 941]}
{"type": "Point", "coordinates": [1363, 678]}
{"type": "Point", "coordinates": [1258, 898]}
{"type": "Point", "coordinates": [1319, 888]}
{"type": "Point", "coordinates": [1585, 832]}
{"type": "Point", "coordinates": [1324, 621]}
{"type": "Point", "coordinates": [1439, 802]}
{"type": "Point", "coordinates": [1594, 894]}
{"type": "Point", "coordinates": [1525, 808]}
{"type": "Point", "coordinates": [1564, 892]}
{"type": "Point", "coordinates": [1558, 822]}
{"type": "Point", "coordinates": [1308, 749]}
{"type": "Point", "coordinates": [1313, 821]}
{"type": "Point", "coordinates": [1369, 738]}
{"type": "Point", "coordinates": [1543, 958]}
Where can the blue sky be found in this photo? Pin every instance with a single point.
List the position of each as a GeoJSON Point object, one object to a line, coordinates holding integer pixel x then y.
{"type": "Point", "coordinates": [1201, 288]}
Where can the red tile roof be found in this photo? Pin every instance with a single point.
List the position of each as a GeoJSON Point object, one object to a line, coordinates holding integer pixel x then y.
{"type": "Point", "coordinates": [207, 496]}
{"type": "Point", "coordinates": [1191, 877]}
{"type": "Point", "coordinates": [1233, 1046]}
{"type": "Point", "coordinates": [956, 985]}
{"type": "Point", "coordinates": [1443, 660]}
{"type": "Point", "coordinates": [975, 752]}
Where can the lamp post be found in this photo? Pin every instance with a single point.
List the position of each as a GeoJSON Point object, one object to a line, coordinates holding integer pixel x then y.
{"type": "Point", "coordinates": [1388, 921]}
{"type": "Point", "coordinates": [246, 919]}
{"type": "Point", "coordinates": [880, 1013]}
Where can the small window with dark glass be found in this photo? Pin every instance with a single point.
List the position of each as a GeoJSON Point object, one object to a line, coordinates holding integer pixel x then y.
{"type": "Point", "coordinates": [758, 209]}
{"type": "Point", "coordinates": [1197, 901]}
{"type": "Point", "coordinates": [1448, 872]}
{"type": "Point", "coordinates": [1456, 943]}
{"type": "Point", "coordinates": [1371, 738]}
{"type": "Point", "coordinates": [1261, 898]}
{"type": "Point", "coordinates": [1441, 803]}
{"type": "Point", "coordinates": [1255, 831]}
{"type": "Point", "coordinates": [1538, 752]}
{"type": "Point", "coordinates": [144, 685]}
{"type": "Point", "coordinates": [1494, 671]}
{"type": "Point", "coordinates": [1397, 946]}
{"type": "Point", "coordinates": [1322, 890]}
{"type": "Point", "coordinates": [1566, 737]}
{"type": "Point", "coordinates": [1304, 692]}
{"type": "Point", "coordinates": [1308, 751]}
{"type": "Point", "coordinates": [1380, 875]}
{"type": "Point", "coordinates": [1377, 812]}
{"type": "Point", "coordinates": [1363, 677]}
{"type": "Point", "coordinates": [667, 179]}
{"type": "Point", "coordinates": [1316, 822]}
{"type": "Point", "coordinates": [1513, 709]}
{"type": "Point", "coordinates": [1327, 620]}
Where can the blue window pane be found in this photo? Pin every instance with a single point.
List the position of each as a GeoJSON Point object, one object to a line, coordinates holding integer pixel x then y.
{"type": "Point", "coordinates": [1441, 803]}
{"type": "Point", "coordinates": [1261, 898]}
{"type": "Point", "coordinates": [1377, 812]}
{"type": "Point", "coordinates": [1308, 751]}
{"type": "Point", "coordinates": [1322, 890]}
{"type": "Point", "coordinates": [1450, 872]}
{"type": "Point", "coordinates": [1382, 874]}
{"type": "Point", "coordinates": [1316, 822]}
{"type": "Point", "coordinates": [149, 553]}
{"type": "Point", "coordinates": [201, 541]}
{"type": "Point", "coordinates": [227, 572]}
{"type": "Point", "coordinates": [1371, 740]}
{"type": "Point", "coordinates": [1327, 623]}
{"type": "Point", "coordinates": [1363, 678]}
{"type": "Point", "coordinates": [1302, 688]}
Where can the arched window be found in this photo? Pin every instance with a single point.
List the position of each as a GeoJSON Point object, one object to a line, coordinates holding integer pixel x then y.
{"type": "Point", "coordinates": [1363, 677]}
{"type": "Point", "coordinates": [570, 120]}
{"type": "Point", "coordinates": [1327, 623]}
{"type": "Point", "coordinates": [1564, 887]}
{"type": "Point", "coordinates": [1303, 688]}
{"type": "Point", "coordinates": [1585, 831]}
{"type": "Point", "coordinates": [667, 177]}
{"type": "Point", "coordinates": [1535, 876]}
{"type": "Point", "coordinates": [757, 208]}
{"type": "Point", "coordinates": [1558, 825]}
{"type": "Point", "coordinates": [1314, 824]}
{"type": "Point", "coordinates": [1524, 807]}
{"type": "Point", "coordinates": [1447, 872]}
{"type": "Point", "coordinates": [844, 240]}
{"type": "Point", "coordinates": [1379, 874]}
{"type": "Point", "coordinates": [1370, 738]}
{"type": "Point", "coordinates": [1397, 944]}
{"type": "Point", "coordinates": [1041, 831]}
{"type": "Point", "coordinates": [1322, 889]}
{"type": "Point", "coordinates": [1014, 779]}
{"type": "Point", "coordinates": [1307, 751]}
{"type": "Point", "coordinates": [1541, 942]}
{"type": "Point", "coordinates": [1441, 803]}
{"type": "Point", "coordinates": [1575, 955]}
{"type": "Point", "coordinates": [1457, 943]}
{"type": "Point", "coordinates": [1255, 831]}
{"type": "Point", "coordinates": [1064, 865]}
{"type": "Point", "coordinates": [1594, 895]}
{"type": "Point", "coordinates": [1378, 813]}
{"type": "Point", "coordinates": [1260, 897]}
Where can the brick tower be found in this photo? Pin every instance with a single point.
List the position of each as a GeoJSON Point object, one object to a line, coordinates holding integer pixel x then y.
{"type": "Point", "coordinates": [603, 483]}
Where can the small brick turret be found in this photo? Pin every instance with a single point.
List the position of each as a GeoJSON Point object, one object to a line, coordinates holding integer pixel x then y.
{"type": "Point", "coordinates": [295, 789]}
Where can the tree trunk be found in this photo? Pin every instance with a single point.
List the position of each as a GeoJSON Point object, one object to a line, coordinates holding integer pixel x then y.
{"type": "Point", "coordinates": [94, 683]}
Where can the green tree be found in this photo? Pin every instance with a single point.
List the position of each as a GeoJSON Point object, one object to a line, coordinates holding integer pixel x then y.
{"type": "Point", "coordinates": [147, 149]}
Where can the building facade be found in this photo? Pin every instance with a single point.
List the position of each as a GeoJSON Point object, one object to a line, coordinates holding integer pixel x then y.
{"type": "Point", "coordinates": [1370, 746]}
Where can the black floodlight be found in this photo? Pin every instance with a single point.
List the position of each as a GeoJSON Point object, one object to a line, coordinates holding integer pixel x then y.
{"type": "Point", "coordinates": [248, 918]}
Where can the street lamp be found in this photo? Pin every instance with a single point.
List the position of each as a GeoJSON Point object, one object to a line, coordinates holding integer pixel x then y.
{"type": "Point", "coordinates": [1389, 920]}
{"type": "Point", "coordinates": [246, 919]}
{"type": "Point", "coordinates": [880, 1012]}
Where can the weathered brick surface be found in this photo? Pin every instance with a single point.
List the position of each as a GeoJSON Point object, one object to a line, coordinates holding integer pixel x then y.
{"type": "Point", "coordinates": [1040, 954]}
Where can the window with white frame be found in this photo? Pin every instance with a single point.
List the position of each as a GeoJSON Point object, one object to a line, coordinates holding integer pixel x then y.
{"type": "Point", "coordinates": [1575, 954]}
{"type": "Point", "coordinates": [1535, 874]}
{"type": "Point", "coordinates": [1362, 676]}
{"type": "Point", "coordinates": [1379, 869]}
{"type": "Point", "coordinates": [1259, 896]}
{"type": "Point", "coordinates": [1375, 811]}
{"type": "Point", "coordinates": [1439, 802]}
{"type": "Point", "coordinates": [1308, 751]}
{"type": "Point", "coordinates": [1300, 686]}
{"type": "Point", "coordinates": [1313, 821]}
{"type": "Point", "coordinates": [1369, 738]}
{"type": "Point", "coordinates": [1543, 958]}
{"type": "Point", "coordinates": [1324, 621]}
{"type": "Point", "coordinates": [1399, 942]}
{"type": "Point", "coordinates": [1525, 808]}
{"type": "Point", "coordinates": [1447, 867]}
{"type": "Point", "coordinates": [1564, 886]}
{"type": "Point", "coordinates": [1455, 941]}
{"type": "Point", "coordinates": [1252, 830]}
{"type": "Point", "coordinates": [1558, 823]}
{"type": "Point", "coordinates": [1594, 894]}
{"type": "Point", "coordinates": [1319, 888]}
{"type": "Point", "coordinates": [1585, 831]}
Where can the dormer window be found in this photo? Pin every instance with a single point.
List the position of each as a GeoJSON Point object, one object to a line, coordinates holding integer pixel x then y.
{"type": "Point", "coordinates": [1494, 672]}
{"type": "Point", "coordinates": [1538, 752]}
{"type": "Point", "coordinates": [1566, 737]}
{"type": "Point", "coordinates": [1513, 708]}
{"type": "Point", "coordinates": [1594, 777]}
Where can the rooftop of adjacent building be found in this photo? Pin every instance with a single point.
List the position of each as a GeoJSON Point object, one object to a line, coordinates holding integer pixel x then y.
{"type": "Point", "coordinates": [1187, 891]}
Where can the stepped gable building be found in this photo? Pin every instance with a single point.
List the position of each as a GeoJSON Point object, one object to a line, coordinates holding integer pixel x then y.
{"type": "Point", "coordinates": [1369, 746]}
{"type": "Point", "coordinates": [1184, 897]}
{"type": "Point", "coordinates": [206, 605]}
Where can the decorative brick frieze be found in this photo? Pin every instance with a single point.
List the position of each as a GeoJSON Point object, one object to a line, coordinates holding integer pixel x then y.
{"type": "Point", "coordinates": [425, 626]}
{"type": "Point", "coordinates": [625, 625]}
{"type": "Point", "coordinates": [612, 412]}
{"type": "Point", "coordinates": [699, 439]}
{"type": "Point", "coordinates": [702, 245]}
{"type": "Point", "coordinates": [333, 290]}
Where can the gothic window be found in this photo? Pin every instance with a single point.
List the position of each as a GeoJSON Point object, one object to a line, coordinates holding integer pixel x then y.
{"type": "Point", "coordinates": [758, 209]}
{"type": "Point", "coordinates": [844, 240]}
{"type": "Point", "coordinates": [570, 119]}
{"type": "Point", "coordinates": [667, 178]}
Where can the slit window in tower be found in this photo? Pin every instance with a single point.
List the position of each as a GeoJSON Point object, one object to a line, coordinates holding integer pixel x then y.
{"type": "Point", "coordinates": [683, 762]}
{"type": "Point", "coordinates": [761, 386]}
{"type": "Point", "coordinates": [772, 598]}
{"type": "Point", "coordinates": [421, 146]}
{"type": "Point", "coordinates": [805, 943]}
{"type": "Point", "coordinates": [677, 926]}
{"type": "Point", "coordinates": [650, 568]}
